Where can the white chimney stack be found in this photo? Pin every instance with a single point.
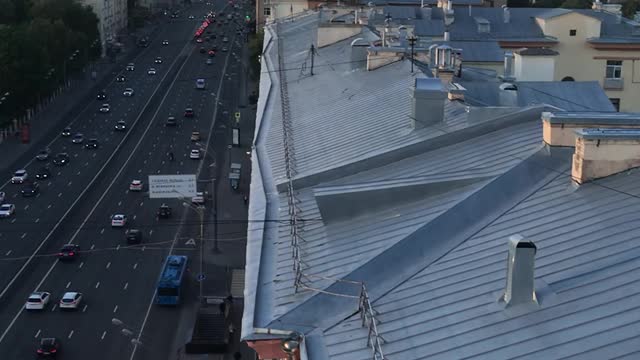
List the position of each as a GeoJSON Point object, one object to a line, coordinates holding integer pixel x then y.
{"type": "Point", "coordinates": [520, 272]}
{"type": "Point", "coordinates": [506, 14]}
{"type": "Point", "coordinates": [447, 36]}
{"type": "Point", "coordinates": [450, 5]}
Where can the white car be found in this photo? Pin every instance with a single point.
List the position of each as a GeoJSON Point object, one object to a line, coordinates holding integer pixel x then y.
{"type": "Point", "coordinates": [151, 71]}
{"type": "Point", "coordinates": [195, 154]}
{"type": "Point", "coordinates": [118, 220]}
{"type": "Point", "coordinates": [105, 108]}
{"type": "Point", "coordinates": [198, 199]}
{"type": "Point", "coordinates": [19, 176]}
{"type": "Point", "coordinates": [37, 300]}
{"type": "Point", "coordinates": [128, 92]}
{"type": "Point", "coordinates": [136, 185]}
{"type": "Point", "coordinates": [6, 210]}
{"type": "Point", "coordinates": [191, 17]}
{"type": "Point", "coordinates": [70, 300]}
{"type": "Point", "coordinates": [130, 67]}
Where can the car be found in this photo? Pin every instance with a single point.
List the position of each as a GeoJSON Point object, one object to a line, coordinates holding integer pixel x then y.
{"type": "Point", "coordinates": [105, 108]}
{"type": "Point", "coordinates": [199, 41]}
{"type": "Point", "coordinates": [66, 131]}
{"type": "Point", "coordinates": [69, 252]}
{"type": "Point", "coordinates": [136, 185]}
{"type": "Point", "coordinates": [70, 300]}
{"type": "Point", "coordinates": [101, 95]}
{"type": "Point", "coordinates": [202, 50]}
{"type": "Point", "coordinates": [158, 60]}
{"type": "Point", "coordinates": [48, 347]}
{"type": "Point", "coordinates": [30, 189]}
{"type": "Point", "coordinates": [128, 92]}
{"type": "Point", "coordinates": [77, 138]}
{"type": "Point", "coordinates": [19, 176]}
{"type": "Point", "coordinates": [212, 53]}
{"type": "Point", "coordinates": [120, 78]}
{"type": "Point", "coordinates": [130, 67]}
{"type": "Point", "coordinates": [118, 220]}
{"type": "Point", "coordinates": [198, 199]}
{"type": "Point", "coordinates": [165, 42]}
{"type": "Point", "coordinates": [3, 195]}
{"type": "Point", "coordinates": [194, 154]}
{"type": "Point", "coordinates": [224, 49]}
{"type": "Point", "coordinates": [61, 159]}
{"type": "Point", "coordinates": [200, 84]}
{"type": "Point", "coordinates": [188, 112]}
{"type": "Point", "coordinates": [37, 300]}
{"type": "Point", "coordinates": [174, 16]}
{"type": "Point", "coordinates": [6, 210]}
{"type": "Point", "coordinates": [91, 144]}
{"type": "Point", "coordinates": [171, 121]}
{"type": "Point", "coordinates": [225, 39]}
{"type": "Point", "coordinates": [191, 17]}
{"type": "Point", "coordinates": [151, 71]}
{"type": "Point", "coordinates": [43, 155]}
{"type": "Point", "coordinates": [209, 61]}
{"type": "Point", "coordinates": [195, 136]}
{"type": "Point", "coordinates": [134, 236]}
{"type": "Point", "coordinates": [120, 126]}
{"type": "Point", "coordinates": [164, 212]}
{"type": "Point", "coordinates": [43, 173]}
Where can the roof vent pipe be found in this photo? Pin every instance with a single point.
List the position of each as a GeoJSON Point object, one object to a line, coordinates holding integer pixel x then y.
{"type": "Point", "coordinates": [469, 9]}
{"type": "Point", "coordinates": [432, 56]}
{"type": "Point", "coordinates": [450, 5]}
{"type": "Point", "coordinates": [506, 14]}
{"type": "Point", "coordinates": [508, 66]}
{"type": "Point", "coordinates": [421, 3]}
{"type": "Point", "coordinates": [520, 272]}
{"type": "Point", "coordinates": [447, 36]}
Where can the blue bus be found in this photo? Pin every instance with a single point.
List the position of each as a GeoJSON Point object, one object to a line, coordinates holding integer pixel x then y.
{"type": "Point", "coordinates": [171, 279]}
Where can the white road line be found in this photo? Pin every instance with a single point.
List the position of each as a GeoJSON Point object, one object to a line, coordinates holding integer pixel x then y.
{"type": "Point", "coordinates": [92, 246]}
{"type": "Point", "coordinates": [126, 285]}
{"type": "Point", "coordinates": [98, 284]}
{"type": "Point", "coordinates": [8, 253]}
{"type": "Point", "coordinates": [118, 247]}
{"type": "Point", "coordinates": [53, 308]}
{"type": "Point", "coordinates": [59, 194]}
{"type": "Point", "coordinates": [150, 232]}
{"type": "Point", "coordinates": [49, 183]}
{"type": "Point", "coordinates": [109, 264]}
{"type": "Point", "coordinates": [68, 284]}
{"type": "Point", "coordinates": [26, 207]}
{"type": "Point", "coordinates": [23, 236]}
{"type": "Point", "coordinates": [144, 247]}
{"type": "Point", "coordinates": [215, 112]}
{"type": "Point", "coordinates": [135, 266]}
{"type": "Point", "coordinates": [119, 203]}
{"type": "Point", "coordinates": [104, 333]}
{"type": "Point", "coordinates": [70, 335]}
{"type": "Point", "coordinates": [49, 206]}
{"type": "Point", "coordinates": [70, 182]}
{"type": "Point", "coordinates": [37, 334]}
{"type": "Point", "coordinates": [37, 220]}
{"type": "Point", "coordinates": [13, 220]}
{"type": "Point", "coordinates": [78, 173]}
{"type": "Point", "coordinates": [81, 265]}
{"type": "Point", "coordinates": [102, 231]}
{"type": "Point", "coordinates": [115, 309]}
{"type": "Point", "coordinates": [85, 307]}
{"type": "Point", "coordinates": [134, 217]}
{"type": "Point", "coordinates": [142, 203]}
{"type": "Point", "coordinates": [86, 164]}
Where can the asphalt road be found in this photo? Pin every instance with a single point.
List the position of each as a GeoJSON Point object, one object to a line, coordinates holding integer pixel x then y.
{"type": "Point", "coordinates": [75, 205]}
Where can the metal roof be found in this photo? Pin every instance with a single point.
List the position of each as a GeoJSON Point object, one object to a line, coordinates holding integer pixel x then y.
{"type": "Point", "coordinates": [434, 263]}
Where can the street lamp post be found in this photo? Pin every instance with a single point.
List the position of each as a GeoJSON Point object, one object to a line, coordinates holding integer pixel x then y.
{"type": "Point", "coordinates": [200, 211]}
{"type": "Point", "coordinates": [214, 207]}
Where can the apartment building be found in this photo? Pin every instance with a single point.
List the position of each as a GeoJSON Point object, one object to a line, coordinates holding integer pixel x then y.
{"type": "Point", "coordinates": [112, 15]}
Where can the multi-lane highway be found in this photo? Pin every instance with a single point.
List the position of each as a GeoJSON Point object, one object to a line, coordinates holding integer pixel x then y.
{"type": "Point", "coordinates": [75, 205]}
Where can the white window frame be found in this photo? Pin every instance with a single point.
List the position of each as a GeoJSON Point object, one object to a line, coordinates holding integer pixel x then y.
{"type": "Point", "coordinates": [613, 69]}
{"type": "Point", "coordinates": [267, 11]}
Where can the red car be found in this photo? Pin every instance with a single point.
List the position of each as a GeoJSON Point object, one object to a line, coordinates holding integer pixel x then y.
{"type": "Point", "coordinates": [188, 112]}
{"type": "Point", "coordinates": [69, 252]}
{"type": "Point", "coordinates": [212, 53]}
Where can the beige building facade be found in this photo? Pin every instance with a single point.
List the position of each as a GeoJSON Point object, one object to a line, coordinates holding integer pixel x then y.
{"type": "Point", "coordinates": [112, 15]}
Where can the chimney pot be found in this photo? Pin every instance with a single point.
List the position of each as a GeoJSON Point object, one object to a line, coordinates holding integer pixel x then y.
{"type": "Point", "coordinates": [427, 102]}
{"type": "Point", "coordinates": [520, 287]}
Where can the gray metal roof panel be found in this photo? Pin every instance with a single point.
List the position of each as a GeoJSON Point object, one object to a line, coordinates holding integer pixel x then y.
{"type": "Point", "coordinates": [609, 133]}
{"type": "Point", "coordinates": [577, 117]}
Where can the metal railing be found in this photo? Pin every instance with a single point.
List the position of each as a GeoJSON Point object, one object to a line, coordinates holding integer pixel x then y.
{"type": "Point", "coordinates": [368, 316]}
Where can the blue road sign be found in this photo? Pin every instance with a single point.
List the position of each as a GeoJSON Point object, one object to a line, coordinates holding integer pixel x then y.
{"type": "Point", "coordinates": [200, 277]}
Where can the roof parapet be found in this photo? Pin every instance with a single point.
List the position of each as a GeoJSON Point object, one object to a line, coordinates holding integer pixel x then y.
{"type": "Point", "coordinates": [559, 129]}
{"type": "Point", "coordinates": [520, 288]}
{"type": "Point", "coordinates": [603, 152]}
{"type": "Point", "coordinates": [331, 33]}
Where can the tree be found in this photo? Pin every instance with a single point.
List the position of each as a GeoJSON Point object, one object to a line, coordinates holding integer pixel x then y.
{"type": "Point", "coordinates": [629, 8]}
{"type": "Point", "coordinates": [577, 4]}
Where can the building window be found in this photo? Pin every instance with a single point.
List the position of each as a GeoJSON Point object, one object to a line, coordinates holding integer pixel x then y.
{"type": "Point", "coordinates": [267, 11]}
{"type": "Point", "coordinates": [616, 103]}
{"type": "Point", "coordinates": [573, 32]}
{"type": "Point", "coordinates": [614, 69]}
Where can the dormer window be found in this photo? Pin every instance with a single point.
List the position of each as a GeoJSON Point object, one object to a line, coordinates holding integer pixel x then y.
{"type": "Point", "coordinates": [573, 32]}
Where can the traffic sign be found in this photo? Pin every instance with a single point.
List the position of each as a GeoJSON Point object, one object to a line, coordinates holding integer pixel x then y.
{"type": "Point", "coordinates": [200, 277]}
{"type": "Point", "coordinates": [172, 186]}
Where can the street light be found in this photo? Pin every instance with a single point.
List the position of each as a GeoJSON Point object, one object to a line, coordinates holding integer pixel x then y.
{"type": "Point", "coordinates": [127, 332]}
{"type": "Point", "coordinates": [200, 211]}
{"type": "Point", "coordinates": [202, 148]}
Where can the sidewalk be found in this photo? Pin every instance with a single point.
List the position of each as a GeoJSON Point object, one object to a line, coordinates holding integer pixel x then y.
{"type": "Point", "coordinates": [64, 107]}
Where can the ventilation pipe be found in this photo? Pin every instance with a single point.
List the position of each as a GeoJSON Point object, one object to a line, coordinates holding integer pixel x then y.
{"type": "Point", "coordinates": [427, 102]}
{"type": "Point", "coordinates": [508, 67]}
{"type": "Point", "coordinates": [469, 10]}
{"type": "Point", "coordinates": [449, 5]}
{"type": "Point", "coordinates": [506, 14]}
{"type": "Point", "coordinates": [355, 17]}
{"type": "Point", "coordinates": [432, 56]}
{"type": "Point", "coordinates": [447, 36]}
{"type": "Point", "coordinates": [520, 272]}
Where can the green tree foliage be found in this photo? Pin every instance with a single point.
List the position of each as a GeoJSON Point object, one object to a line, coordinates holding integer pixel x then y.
{"type": "Point", "coordinates": [36, 42]}
{"type": "Point", "coordinates": [577, 4]}
{"type": "Point", "coordinates": [630, 7]}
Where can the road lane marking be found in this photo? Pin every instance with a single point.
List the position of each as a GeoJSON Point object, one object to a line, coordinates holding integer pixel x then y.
{"type": "Point", "coordinates": [78, 173]}
{"type": "Point", "coordinates": [23, 236]}
{"type": "Point", "coordinates": [115, 309]}
{"type": "Point", "coordinates": [102, 231]}
{"type": "Point", "coordinates": [13, 220]}
{"type": "Point", "coordinates": [26, 207]}
{"type": "Point", "coordinates": [53, 308]}
{"type": "Point", "coordinates": [59, 194]}
{"type": "Point", "coordinates": [98, 284]}
{"type": "Point", "coordinates": [92, 246]}
{"type": "Point", "coordinates": [119, 203]}
{"type": "Point", "coordinates": [8, 253]}
{"type": "Point", "coordinates": [134, 217]}
{"type": "Point", "coordinates": [70, 335]}
{"type": "Point", "coordinates": [70, 182]}
{"type": "Point", "coordinates": [49, 206]}
{"type": "Point", "coordinates": [37, 334]}
{"type": "Point", "coordinates": [126, 285]}
{"type": "Point", "coordinates": [142, 203]}
{"type": "Point", "coordinates": [68, 284]}
{"type": "Point", "coordinates": [37, 220]}
{"type": "Point", "coordinates": [118, 247]}
{"type": "Point", "coordinates": [135, 266]}
{"type": "Point", "coordinates": [144, 247]}
{"type": "Point", "coordinates": [81, 264]}
{"type": "Point", "coordinates": [150, 232]}
{"type": "Point", "coordinates": [49, 183]}
{"type": "Point", "coordinates": [104, 333]}
{"type": "Point", "coordinates": [85, 307]}
{"type": "Point", "coordinates": [109, 264]}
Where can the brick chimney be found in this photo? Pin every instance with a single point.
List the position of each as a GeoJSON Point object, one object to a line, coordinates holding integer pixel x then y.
{"type": "Point", "coordinates": [603, 152]}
